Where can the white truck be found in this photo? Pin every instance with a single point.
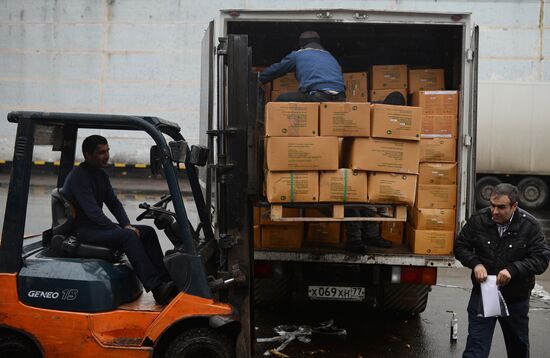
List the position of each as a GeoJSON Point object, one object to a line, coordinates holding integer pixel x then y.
{"type": "Point", "coordinates": [513, 144]}
{"type": "Point", "coordinates": [232, 126]}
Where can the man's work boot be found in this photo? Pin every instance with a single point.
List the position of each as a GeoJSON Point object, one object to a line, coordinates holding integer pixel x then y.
{"type": "Point", "coordinates": [356, 246]}
{"type": "Point", "coordinates": [378, 242]}
{"type": "Point", "coordinates": [165, 292]}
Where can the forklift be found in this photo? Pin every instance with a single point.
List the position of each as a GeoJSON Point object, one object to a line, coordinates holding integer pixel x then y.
{"type": "Point", "coordinates": [61, 298]}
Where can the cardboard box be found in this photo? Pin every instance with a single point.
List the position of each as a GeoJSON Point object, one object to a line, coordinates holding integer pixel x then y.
{"type": "Point", "coordinates": [257, 236]}
{"type": "Point", "coordinates": [436, 102]}
{"type": "Point", "coordinates": [388, 76]}
{"type": "Point", "coordinates": [393, 231]}
{"type": "Point", "coordinates": [396, 122]}
{"type": "Point", "coordinates": [430, 242]}
{"type": "Point", "coordinates": [286, 83]}
{"type": "Point", "coordinates": [437, 173]}
{"type": "Point", "coordinates": [344, 119]}
{"type": "Point", "coordinates": [301, 153]}
{"type": "Point", "coordinates": [439, 126]}
{"type": "Point", "coordinates": [322, 232]}
{"type": "Point", "coordinates": [438, 150]}
{"type": "Point", "coordinates": [341, 160]}
{"type": "Point", "coordinates": [382, 155]}
{"type": "Point", "coordinates": [343, 185]}
{"type": "Point", "coordinates": [275, 94]}
{"type": "Point", "coordinates": [391, 188]}
{"type": "Point", "coordinates": [426, 80]}
{"type": "Point", "coordinates": [436, 196]}
{"type": "Point", "coordinates": [256, 212]}
{"type": "Point", "coordinates": [292, 187]}
{"type": "Point", "coordinates": [292, 119]}
{"type": "Point", "coordinates": [283, 236]}
{"type": "Point", "coordinates": [265, 216]}
{"type": "Point", "coordinates": [356, 86]}
{"type": "Point", "coordinates": [432, 219]}
{"type": "Point", "coordinates": [379, 95]}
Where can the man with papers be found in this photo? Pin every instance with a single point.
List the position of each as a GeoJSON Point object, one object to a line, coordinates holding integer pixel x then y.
{"type": "Point", "coordinates": [505, 248]}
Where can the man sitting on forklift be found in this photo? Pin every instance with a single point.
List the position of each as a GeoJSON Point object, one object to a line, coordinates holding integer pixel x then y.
{"type": "Point", "coordinates": [87, 187]}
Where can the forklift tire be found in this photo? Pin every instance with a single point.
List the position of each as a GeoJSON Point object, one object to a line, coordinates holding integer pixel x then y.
{"type": "Point", "coordinates": [200, 343]}
{"type": "Point", "coordinates": [13, 345]}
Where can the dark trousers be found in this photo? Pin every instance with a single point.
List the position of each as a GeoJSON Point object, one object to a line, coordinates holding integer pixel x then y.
{"type": "Point", "coordinates": [357, 230]}
{"type": "Point", "coordinates": [515, 329]}
{"type": "Point", "coordinates": [144, 252]}
{"type": "Point", "coordinates": [306, 97]}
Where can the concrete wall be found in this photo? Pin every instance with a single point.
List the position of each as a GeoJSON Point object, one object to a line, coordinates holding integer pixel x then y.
{"type": "Point", "coordinates": [143, 56]}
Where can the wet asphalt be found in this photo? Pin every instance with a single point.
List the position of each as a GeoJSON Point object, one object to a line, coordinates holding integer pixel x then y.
{"type": "Point", "coordinates": [369, 334]}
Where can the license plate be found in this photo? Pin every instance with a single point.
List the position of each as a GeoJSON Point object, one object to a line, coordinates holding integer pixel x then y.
{"type": "Point", "coordinates": [336, 293]}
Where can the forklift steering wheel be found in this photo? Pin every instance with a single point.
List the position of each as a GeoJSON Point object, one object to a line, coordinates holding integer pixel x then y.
{"type": "Point", "coordinates": [158, 208]}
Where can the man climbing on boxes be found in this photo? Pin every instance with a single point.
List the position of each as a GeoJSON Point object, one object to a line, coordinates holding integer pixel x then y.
{"type": "Point", "coordinates": [317, 71]}
{"type": "Point", "coordinates": [321, 80]}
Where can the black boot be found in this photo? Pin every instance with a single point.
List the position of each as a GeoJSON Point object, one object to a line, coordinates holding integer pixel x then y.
{"type": "Point", "coordinates": [356, 246]}
{"type": "Point", "coordinates": [378, 242]}
{"type": "Point", "coordinates": [165, 292]}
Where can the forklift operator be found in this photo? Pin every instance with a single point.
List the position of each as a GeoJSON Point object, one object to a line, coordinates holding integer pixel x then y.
{"type": "Point", "coordinates": [88, 187]}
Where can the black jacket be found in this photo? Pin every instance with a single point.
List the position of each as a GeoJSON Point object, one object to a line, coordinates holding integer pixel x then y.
{"type": "Point", "coordinates": [522, 250]}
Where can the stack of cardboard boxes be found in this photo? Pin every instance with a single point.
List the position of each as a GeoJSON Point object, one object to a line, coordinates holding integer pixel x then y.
{"type": "Point", "coordinates": [328, 152]}
{"type": "Point", "coordinates": [432, 220]}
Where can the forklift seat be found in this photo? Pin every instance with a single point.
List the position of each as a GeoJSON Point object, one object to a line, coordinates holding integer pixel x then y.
{"type": "Point", "coordinates": [63, 241]}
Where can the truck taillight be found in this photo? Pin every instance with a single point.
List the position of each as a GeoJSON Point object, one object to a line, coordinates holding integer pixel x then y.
{"type": "Point", "coordinates": [411, 274]}
{"type": "Point", "coordinates": [263, 269]}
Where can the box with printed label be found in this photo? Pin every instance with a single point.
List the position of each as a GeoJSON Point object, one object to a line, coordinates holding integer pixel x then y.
{"type": "Point", "coordinates": [382, 155]}
{"type": "Point", "coordinates": [322, 232]}
{"type": "Point", "coordinates": [380, 95]}
{"type": "Point", "coordinates": [432, 219]}
{"type": "Point", "coordinates": [436, 102]}
{"type": "Point", "coordinates": [292, 119]}
{"type": "Point", "coordinates": [437, 173]}
{"type": "Point", "coordinates": [356, 86]}
{"type": "Point", "coordinates": [257, 236]}
{"type": "Point", "coordinates": [343, 185]}
{"type": "Point", "coordinates": [301, 153]}
{"type": "Point", "coordinates": [391, 188]}
{"type": "Point", "coordinates": [430, 242]}
{"type": "Point", "coordinates": [286, 83]}
{"type": "Point", "coordinates": [426, 80]}
{"type": "Point", "coordinates": [265, 216]}
{"type": "Point", "coordinates": [393, 231]}
{"type": "Point", "coordinates": [438, 150]}
{"type": "Point", "coordinates": [396, 122]}
{"type": "Point", "coordinates": [436, 196]}
{"type": "Point", "coordinates": [283, 236]}
{"type": "Point", "coordinates": [292, 187]}
{"type": "Point", "coordinates": [439, 126]}
{"type": "Point", "coordinates": [344, 119]}
{"type": "Point", "coordinates": [388, 76]}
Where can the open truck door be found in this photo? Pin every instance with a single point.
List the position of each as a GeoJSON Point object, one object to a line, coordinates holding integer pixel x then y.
{"type": "Point", "coordinates": [227, 179]}
{"type": "Point", "coordinates": [470, 136]}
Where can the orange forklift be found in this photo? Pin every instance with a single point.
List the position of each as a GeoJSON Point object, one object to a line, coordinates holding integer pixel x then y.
{"type": "Point", "coordinates": [61, 298]}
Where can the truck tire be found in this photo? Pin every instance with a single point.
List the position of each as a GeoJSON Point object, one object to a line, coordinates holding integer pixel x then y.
{"type": "Point", "coordinates": [533, 193]}
{"type": "Point", "coordinates": [484, 187]}
{"type": "Point", "coordinates": [17, 345]}
{"type": "Point", "coordinates": [405, 299]}
{"type": "Point", "coordinates": [199, 343]}
{"type": "Point", "coordinates": [271, 291]}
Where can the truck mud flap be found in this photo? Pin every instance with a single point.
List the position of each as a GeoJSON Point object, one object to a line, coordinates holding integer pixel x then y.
{"type": "Point", "coordinates": [405, 298]}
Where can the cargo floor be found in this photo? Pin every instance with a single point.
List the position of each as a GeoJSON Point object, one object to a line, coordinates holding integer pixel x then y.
{"type": "Point", "coordinates": [397, 255]}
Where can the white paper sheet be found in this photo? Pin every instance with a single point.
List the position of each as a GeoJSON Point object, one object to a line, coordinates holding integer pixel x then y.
{"type": "Point", "coordinates": [489, 295]}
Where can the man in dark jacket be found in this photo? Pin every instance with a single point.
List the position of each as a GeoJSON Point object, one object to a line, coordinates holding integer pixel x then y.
{"type": "Point", "coordinates": [508, 242]}
{"type": "Point", "coordinates": [87, 187]}
{"type": "Point", "coordinates": [317, 71]}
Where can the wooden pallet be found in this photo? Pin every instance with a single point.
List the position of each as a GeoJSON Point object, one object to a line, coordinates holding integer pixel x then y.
{"type": "Point", "coordinates": [338, 214]}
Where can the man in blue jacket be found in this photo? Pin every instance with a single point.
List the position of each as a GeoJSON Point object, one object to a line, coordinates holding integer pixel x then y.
{"type": "Point", "coordinates": [88, 187]}
{"type": "Point", "coordinates": [317, 71]}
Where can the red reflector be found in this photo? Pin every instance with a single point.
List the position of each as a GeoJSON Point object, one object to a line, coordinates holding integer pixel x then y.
{"type": "Point", "coordinates": [263, 269]}
{"type": "Point", "coordinates": [456, 17]}
{"type": "Point", "coordinates": [420, 275]}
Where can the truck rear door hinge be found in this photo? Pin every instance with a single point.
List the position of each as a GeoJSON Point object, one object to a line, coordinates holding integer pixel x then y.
{"type": "Point", "coordinates": [227, 241]}
{"type": "Point", "coordinates": [324, 15]}
{"type": "Point", "coordinates": [469, 55]}
{"type": "Point", "coordinates": [360, 16]}
{"type": "Point", "coordinates": [467, 140]}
